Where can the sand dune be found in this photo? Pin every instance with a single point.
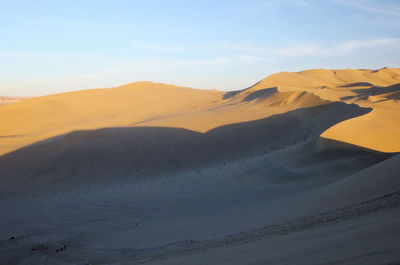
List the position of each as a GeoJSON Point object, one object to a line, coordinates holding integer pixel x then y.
{"type": "Point", "coordinates": [138, 104]}
{"type": "Point", "coordinates": [379, 130]}
{"type": "Point", "coordinates": [143, 152]}
{"type": "Point", "coordinates": [319, 79]}
{"type": "Point", "coordinates": [150, 104]}
{"type": "Point", "coordinates": [240, 108]}
{"type": "Point", "coordinates": [40, 118]}
{"type": "Point", "coordinates": [376, 89]}
{"type": "Point", "coordinates": [300, 168]}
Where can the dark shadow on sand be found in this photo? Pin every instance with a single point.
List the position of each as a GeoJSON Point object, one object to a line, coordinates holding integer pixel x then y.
{"type": "Point", "coordinates": [114, 154]}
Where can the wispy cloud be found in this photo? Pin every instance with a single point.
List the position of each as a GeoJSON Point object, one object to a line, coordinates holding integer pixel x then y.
{"type": "Point", "coordinates": [253, 53]}
{"type": "Point", "coordinates": [154, 47]}
{"type": "Point", "coordinates": [381, 8]}
{"type": "Point", "coordinates": [343, 48]}
{"type": "Point", "coordinates": [197, 62]}
{"type": "Point", "coordinates": [243, 47]}
{"type": "Point", "coordinates": [251, 58]}
{"type": "Point", "coordinates": [156, 65]}
{"type": "Point", "coordinates": [264, 7]}
{"type": "Point", "coordinates": [304, 3]}
{"type": "Point", "coordinates": [79, 24]}
{"type": "Point", "coordinates": [300, 50]}
{"type": "Point", "coordinates": [349, 46]}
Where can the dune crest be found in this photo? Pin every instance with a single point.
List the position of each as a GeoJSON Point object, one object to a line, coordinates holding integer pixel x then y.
{"type": "Point", "coordinates": [39, 118]}
{"type": "Point", "coordinates": [375, 89]}
{"type": "Point", "coordinates": [155, 104]}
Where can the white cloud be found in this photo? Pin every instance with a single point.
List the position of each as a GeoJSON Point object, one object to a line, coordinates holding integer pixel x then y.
{"type": "Point", "coordinates": [318, 50]}
{"type": "Point", "coordinates": [251, 58]}
{"type": "Point", "coordinates": [381, 8]}
{"type": "Point", "coordinates": [267, 8]}
{"type": "Point", "coordinates": [157, 65]}
{"type": "Point", "coordinates": [79, 24]}
{"type": "Point", "coordinates": [244, 47]}
{"type": "Point", "coordinates": [153, 47]}
{"type": "Point", "coordinates": [251, 53]}
{"type": "Point", "coordinates": [300, 50]}
{"type": "Point", "coordinates": [212, 61]}
{"type": "Point", "coordinates": [349, 46]}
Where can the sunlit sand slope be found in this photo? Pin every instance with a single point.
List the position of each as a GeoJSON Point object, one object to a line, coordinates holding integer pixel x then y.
{"type": "Point", "coordinates": [40, 118]}
{"type": "Point", "coordinates": [376, 89]}
{"type": "Point", "coordinates": [154, 104]}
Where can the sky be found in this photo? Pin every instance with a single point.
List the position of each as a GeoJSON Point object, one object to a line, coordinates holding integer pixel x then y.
{"type": "Point", "coordinates": [55, 46]}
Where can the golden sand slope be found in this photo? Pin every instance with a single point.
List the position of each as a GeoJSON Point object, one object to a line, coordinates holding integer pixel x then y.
{"type": "Point", "coordinates": [138, 104]}
{"type": "Point", "coordinates": [239, 108]}
{"type": "Point", "coordinates": [331, 84]}
{"type": "Point", "coordinates": [378, 130]}
{"type": "Point", "coordinates": [39, 118]}
{"type": "Point", "coordinates": [376, 89]}
{"type": "Point", "coordinates": [153, 104]}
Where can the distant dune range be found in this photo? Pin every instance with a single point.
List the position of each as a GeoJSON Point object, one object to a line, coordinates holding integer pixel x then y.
{"type": "Point", "coordinates": [150, 104]}
{"type": "Point", "coordinates": [283, 172]}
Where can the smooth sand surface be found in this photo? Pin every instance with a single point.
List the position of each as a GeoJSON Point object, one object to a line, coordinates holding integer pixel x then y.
{"type": "Point", "coordinates": [301, 168]}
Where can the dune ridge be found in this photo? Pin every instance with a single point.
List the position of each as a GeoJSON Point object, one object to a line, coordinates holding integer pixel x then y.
{"type": "Point", "coordinates": [376, 89]}
{"type": "Point", "coordinates": [154, 104]}
{"type": "Point", "coordinates": [301, 168]}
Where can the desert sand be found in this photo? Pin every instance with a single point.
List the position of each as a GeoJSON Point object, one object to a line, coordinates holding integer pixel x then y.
{"type": "Point", "coordinates": [300, 168]}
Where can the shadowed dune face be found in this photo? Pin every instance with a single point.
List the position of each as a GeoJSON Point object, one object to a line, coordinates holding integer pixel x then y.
{"type": "Point", "coordinates": [148, 120]}
{"type": "Point", "coordinates": [110, 155]}
{"type": "Point", "coordinates": [382, 92]}
{"type": "Point", "coordinates": [261, 94]}
{"type": "Point", "coordinates": [152, 173]}
{"type": "Point", "coordinates": [357, 84]}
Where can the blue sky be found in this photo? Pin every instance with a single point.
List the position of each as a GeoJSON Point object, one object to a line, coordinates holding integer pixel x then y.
{"type": "Point", "coordinates": [55, 46]}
